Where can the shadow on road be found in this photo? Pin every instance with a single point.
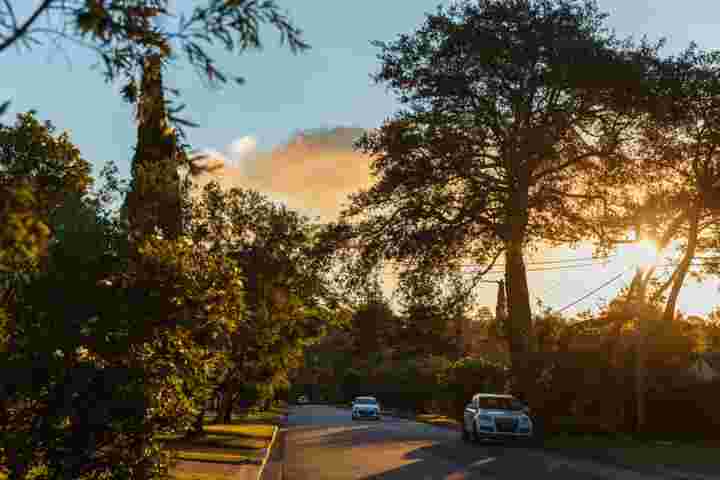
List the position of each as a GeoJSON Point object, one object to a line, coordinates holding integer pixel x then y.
{"type": "Point", "coordinates": [446, 461]}
{"type": "Point", "coordinates": [445, 458]}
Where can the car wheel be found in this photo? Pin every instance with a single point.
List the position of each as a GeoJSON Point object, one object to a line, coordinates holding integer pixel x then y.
{"type": "Point", "coordinates": [535, 440]}
{"type": "Point", "coordinates": [476, 436]}
{"type": "Point", "coordinates": [465, 434]}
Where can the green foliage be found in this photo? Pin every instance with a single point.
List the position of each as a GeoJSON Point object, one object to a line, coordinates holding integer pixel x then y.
{"type": "Point", "coordinates": [22, 234]}
{"type": "Point", "coordinates": [39, 170]}
{"type": "Point", "coordinates": [374, 326]}
{"type": "Point", "coordinates": [102, 352]}
{"type": "Point", "coordinates": [64, 391]}
{"type": "Point", "coordinates": [289, 303]}
{"type": "Point", "coordinates": [468, 376]}
{"type": "Point", "coordinates": [32, 151]}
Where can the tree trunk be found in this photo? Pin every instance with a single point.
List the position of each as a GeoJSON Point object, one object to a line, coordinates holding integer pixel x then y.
{"type": "Point", "coordinates": [519, 322]}
{"type": "Point", "coordinates": [224, 413]}
{"type": "Point", "coordinates": [684, 267]}
{"type": "Point", "coordinates": [142, 469]}
{"type": "Point", "coordinates": [637, 303]}
{"type": "Point", "coordinates": [197, 430]}
{"type": "Point", "coordinates": [640, 381]}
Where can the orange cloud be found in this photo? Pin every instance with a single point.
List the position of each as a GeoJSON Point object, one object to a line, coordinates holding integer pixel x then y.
{"type": "Point", "coordinates": [314, 172]}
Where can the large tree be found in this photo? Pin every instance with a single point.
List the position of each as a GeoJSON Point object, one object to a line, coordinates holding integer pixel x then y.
{"type": "Point", "coordinates": [506, 102]}
{"type": "Point", "coordinates": [681, 179]}
{"type": "Point", "coordinates": [154, 200]}
{"type": "Point", "coordinates": [289, 302]}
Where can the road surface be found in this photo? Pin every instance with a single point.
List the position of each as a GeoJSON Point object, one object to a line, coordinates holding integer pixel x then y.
{"type": "Point", "coordinates": [322, 442]}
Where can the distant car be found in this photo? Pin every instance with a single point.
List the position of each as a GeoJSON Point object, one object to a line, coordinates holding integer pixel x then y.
{"type": "Point", "coordinates": [302, 399]}
{"type": "Point", "coordinates": [496, 416]}
{"type": "Point", "coordinates": [365, 407]}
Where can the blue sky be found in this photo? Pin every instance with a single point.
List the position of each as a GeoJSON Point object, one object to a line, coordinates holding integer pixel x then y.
{"type": "Point", "coordinates": [327, 86]}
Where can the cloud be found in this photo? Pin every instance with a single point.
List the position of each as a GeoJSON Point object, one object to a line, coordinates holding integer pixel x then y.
{"type": "Point", "coordinates": [314, 172]}
{"type": "Point", "coordinates": [209, 159]}
{"type": "Point", "coordinates": [242, 148]}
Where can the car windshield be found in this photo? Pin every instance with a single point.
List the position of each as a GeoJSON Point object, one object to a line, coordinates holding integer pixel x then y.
{"type": "Point", "coordinates": [365, 401]}
{"type": "Point", "coordinates": [500, 403]}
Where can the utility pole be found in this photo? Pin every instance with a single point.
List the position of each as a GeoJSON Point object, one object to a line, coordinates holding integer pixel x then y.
{"type": "Point", "coordinates": [501, 309]}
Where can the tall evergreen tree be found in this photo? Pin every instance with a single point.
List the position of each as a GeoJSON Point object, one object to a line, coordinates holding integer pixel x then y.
{"type": "Point", "coordinates": [154, 200]}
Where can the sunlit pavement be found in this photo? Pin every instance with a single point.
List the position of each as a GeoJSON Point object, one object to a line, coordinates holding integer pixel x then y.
{"type": "Point", "coordinates": [323, 442]}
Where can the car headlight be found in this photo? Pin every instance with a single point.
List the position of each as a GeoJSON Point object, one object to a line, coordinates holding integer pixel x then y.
{"type": "Point", "coordinates": [524, 421]}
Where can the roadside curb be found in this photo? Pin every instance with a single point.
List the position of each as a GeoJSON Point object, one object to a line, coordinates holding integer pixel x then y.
{"type": "Point", "coordinates": [276, 429]}
{"type": "Point", "coordinates": [274, 466]}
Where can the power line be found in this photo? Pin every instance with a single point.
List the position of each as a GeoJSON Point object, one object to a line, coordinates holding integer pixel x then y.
{"type": "Point", "coordinates": [592, 292]}
{"type": "Point", "coordinates": [529, 270]}
{"type": "Point", "coordinates": [596, 260]}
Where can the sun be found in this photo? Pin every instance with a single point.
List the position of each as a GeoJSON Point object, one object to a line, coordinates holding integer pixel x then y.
{"type": "Point", "coordinates": [641, 254]}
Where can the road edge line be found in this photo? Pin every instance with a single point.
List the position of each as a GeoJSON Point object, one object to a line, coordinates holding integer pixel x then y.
{"type": "Point", "coordinates": [276, 429]}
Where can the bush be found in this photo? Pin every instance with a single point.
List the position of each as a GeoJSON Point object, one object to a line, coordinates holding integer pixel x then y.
{"type": "Point", "coordinates": [690, 411]}
{"type": "Point", "coordinates": [466, 377]}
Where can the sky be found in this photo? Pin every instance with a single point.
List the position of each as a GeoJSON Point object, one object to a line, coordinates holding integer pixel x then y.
{"type": "Point", "coordinates": [250, 127]}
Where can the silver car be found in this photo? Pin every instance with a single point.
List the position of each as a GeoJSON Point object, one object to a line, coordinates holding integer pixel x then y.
{"type": "Point", "coordinates": [365, 407]}
{"type": "Point", "coordinates": [495, 416]}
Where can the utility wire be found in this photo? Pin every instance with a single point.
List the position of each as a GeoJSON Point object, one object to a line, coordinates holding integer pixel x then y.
{"type": "Point", "coordinates": [543, 262]}
{"type": "Point", "coordinates": [529, 270]}
{"type": "Point", "coordinates": [592, 292]}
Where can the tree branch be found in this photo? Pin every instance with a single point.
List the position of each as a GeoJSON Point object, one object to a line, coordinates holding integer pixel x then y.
{"type": "Point", "coordinates": [11, 13]}
{"type": "Point", "coordinates": [22, 30]}
{"type": "Point", "coordinates": [564, 165]}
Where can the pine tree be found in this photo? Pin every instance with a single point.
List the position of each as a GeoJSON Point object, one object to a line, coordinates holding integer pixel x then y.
{"type": "Point", "coordinates": [154, 200]}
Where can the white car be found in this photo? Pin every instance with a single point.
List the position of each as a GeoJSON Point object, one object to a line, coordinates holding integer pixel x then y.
{"type": "Point", "coordinates": [365, 407]}
{"type": "Point", "coordinates": [495, 416]}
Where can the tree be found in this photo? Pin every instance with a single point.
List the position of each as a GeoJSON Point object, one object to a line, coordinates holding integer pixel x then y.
{"type": "Point", "coordinates": [679, 155]}
{"type": "Point", "coordinates": [34, 151]}
{"type": "Point", "coordinates": [289, 303]}
{"type": "Point", "coordinates": [124, 33]}
{"type": "Point", "coordinates": [150, 333]}
{"type": "Point", "coordinates": [373, 324]}
{"type": "Point", "coordinates": [39, 169]}
{"type": "Point", "coordinates": [432, 312]}
{"type": "Point", "coordinates": [135, 345]}
{"type": "Point", "coordinates": [155, 196]}
{"type": "Point", "coordinates": [507, 103]}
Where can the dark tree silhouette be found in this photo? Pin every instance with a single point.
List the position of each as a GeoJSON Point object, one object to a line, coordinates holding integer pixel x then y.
{"type": "Point", "coordinates": [507, 104]}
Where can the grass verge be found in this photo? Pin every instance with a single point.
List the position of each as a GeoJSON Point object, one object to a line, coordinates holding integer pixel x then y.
{"type": "Point", "coordinates": [195, 476]}
{"type": "Point", "coordinates": [243, 441]}
{"type": "Point", "coordinates": [268, 417]}
{"type": "Point", "coordinates": [680, 455]}
{"type": "Point", "coordinates": [438, 420]}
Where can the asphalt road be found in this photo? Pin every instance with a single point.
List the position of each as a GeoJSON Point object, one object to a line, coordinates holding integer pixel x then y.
{"type": "Point", "coordinates": [323, 442]}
